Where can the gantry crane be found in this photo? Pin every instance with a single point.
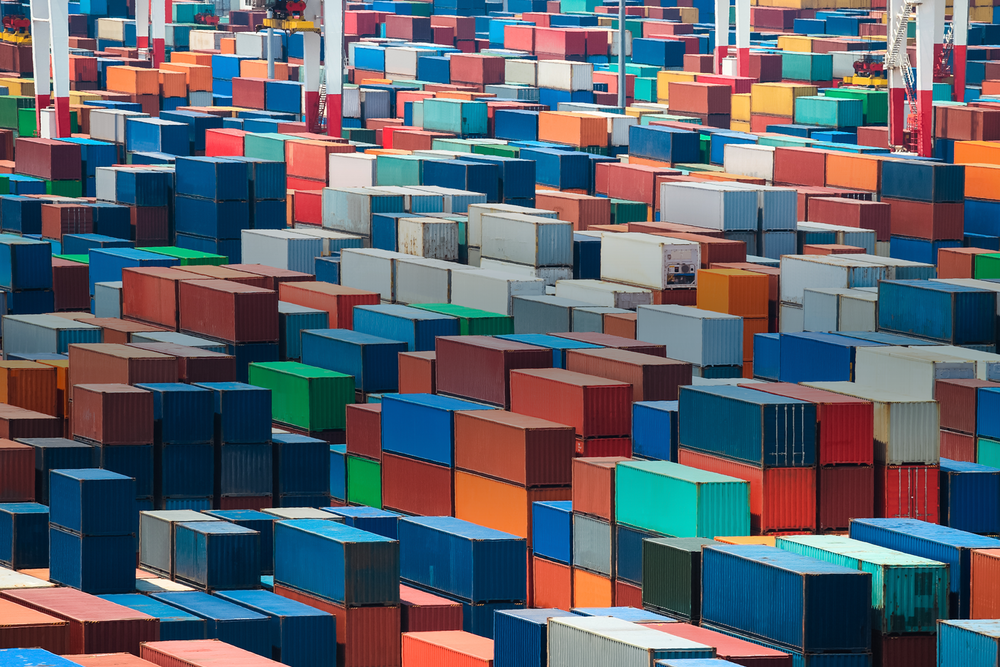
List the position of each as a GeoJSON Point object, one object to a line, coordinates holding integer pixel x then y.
{"type": "Point", "coordinates": [742, 36]}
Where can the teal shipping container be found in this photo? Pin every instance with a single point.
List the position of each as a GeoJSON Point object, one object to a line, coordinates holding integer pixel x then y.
{"type": "Point", "coordinates": [806, 66]}
{"type": "Point", "coordinates": [829, 112]}
{"type": "Point", "coordinates": [455, 116]}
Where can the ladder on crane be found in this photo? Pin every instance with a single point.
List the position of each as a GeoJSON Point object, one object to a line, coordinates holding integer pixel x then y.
{"type": "Point", "coordinates": [321, 113]}
{"type": "Point", "coordinates": [898, 59]}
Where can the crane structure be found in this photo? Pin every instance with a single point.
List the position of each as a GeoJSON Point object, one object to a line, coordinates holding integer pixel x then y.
{"type": "Point", "coordinates": [153, 12]}
{"type": "Point", "coordinates": [742, 36]}
{"type": "Point", "coordinates": [50, 34]}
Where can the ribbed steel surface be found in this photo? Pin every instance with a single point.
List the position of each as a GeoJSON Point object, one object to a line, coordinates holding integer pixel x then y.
{"type": "Point", "coordinates": [730, 648]}
{"type": "Point", "coordinates": [593, 545]}
{"type": "Point", "coordinates": [80, 502]}
{"type": "Point", "coordinates": [244, 469]}
{"type": "Point", "coordinates": [696, 336]}
{"type": "Point", "coordinates": [652, 378]}
{"type": "Point", "coordinates": [156, 538]}
{"type": "Point", "coordinates": [628, 552]}
{"type": "Point", "coordinates": [216, 555]}
{"type": "Point", "coordinates": [972, 643]}
{"type": "Point", "coordinates": [596, 407]}
{"type": "Point", "coordinates": [370, 359]}
{"type": "Point", "coordinates": [29, 334]}
{"type": "Point", "coordinates": [614, 643]}
{"type": "Point", "coordinates": [966, 490]}
{"type": "Point", "coordinates": [521, 637]}
{"type": "Point", "coordinates": [242, 412]}
{"type": "Point", "coordinates": [949, 313]}
{"type": "Point", "coordinates": [434, 441]}
{"type": "Point", "coordinates": [424, 612]}
{"type": "Point", "coordinates": [93, 564]}
{"type": "Point", "coordinates": [552, 525]}
{"type": "Point", "coordinates": [174, 623]}
{"type": "Point", "coordinates": [671, 575]}
{"type": "Point", "coordinates": [478, 367]}
{"type": "Point", "coordinates": [225, 621]}
{"type": "Point", "coordinates": [186, 413]}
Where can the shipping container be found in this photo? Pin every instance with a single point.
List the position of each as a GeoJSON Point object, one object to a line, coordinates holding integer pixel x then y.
{"type": "Point", "coordinates": [174, 624]}
{"type": "Point", "coordinates": [424, 612]}
{"type": "Point", "coordinates": [478, 367]}
{"type": "Point", "coordinates": [225, 621]}
{"type": "Point", "coordinates": [727, 647]}
{"type": "Point", "coordinates": [608, 640]}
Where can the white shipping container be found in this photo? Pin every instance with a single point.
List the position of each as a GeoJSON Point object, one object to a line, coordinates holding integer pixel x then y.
{"type": "Point", "coordinates": [907, 429]}
{"type": "Point", "coordinates": [550, 275]}
{"type": "Point", "coordinates": [352, 170]}
{"type": "Point", "coordinates": [475, 228]}
{"type": "Point", "coordinates": [563, 75]}
{"type": "Point", "coordinates": [645, 260]}
{"type": "Point", "coordinates": [111, 29]}
{"type": "Point", "coordinates": [799, 272]}
{"type": "Point", "coordinates": [526, 239]}
{"type": "Point", "coordinates": [428, 237]}
{"type": "Point", "coordinates": [858, 311]}
{"type": "Point", "coordinates": [421, 280]}
{"type": "Point", "coordinates": [697, 336]}
{"type": "Point", "coordinates": [987, 363]}
{"type": "Point", "coordinates": [200, 98]}
{"type": "Point", "coordinates": [709, 205]}
{"type": "Point", "coordinates": [600, 293]}
{"type": "Point", "coordinates": [11, 580]}
{"type": "Point", "coordinates": [882, 248]}
{"type": "Point", "coordinates": [492, 291]}
{"type": "Point", "coordinates": [370, 269]}
{"type": "Point", "coordinates": [899, 269]}
{"type": "Point", "coordinates": [109, 124]}
{"type": "Point", "coordinates": [375, 103]}
{"type": "Point", "coordinates": [351, 100]}
{"type": "Point", "coordinates": [402, 60]}
{"type": "Point", "coordinates": [282, 249]}
{"type": "Point", "coordinates": [206, 40]}
{"type": "Point", "coordinates": [833, 309]}
{"type": "Point", "coordinates": [254, 45]}
{"type": "Point", "coordinates": [910, 371]}
{"type": "Point", "coordinates": [791, 318]}
{"type": "Point", "coordinates": [524, 72]}
{"type": "Point", "coordinates": [350, 209]}
{"type": "Point", "coordinates": [108, 299]}
{"type": "Point", "coordinates": [749, 160]}
{"type": "Point", "coordinates": [612, 642]}
{"type": "Point", "coordinates": [106, 184]}
{"type": "Point", "coordinates": [843, 63]}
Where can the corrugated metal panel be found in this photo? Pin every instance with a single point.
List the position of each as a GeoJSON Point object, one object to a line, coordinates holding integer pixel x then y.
{"type": "Point", "coordinates": [156, 538]}
{"type": "Point", "coordinates": [244, 469]}
{"type": "Point", "coordinates": [939, 311]}
{"type": "Point", "coordinates": [697, 336]}
{"type": "Point", "coordinates": [614, 643]}
{"type": "Point", "coordinates": [175, 625]}
{"type": "Point", "coordinates": [216, 555]}
{"type": "Point", "coordinates": [800, 659]}
{"type": "Point", "coordinates": [966, 493]}
{"type": "Point", "coordinates": [593, 545]}
{"type": "Point", "coordinates": [521, 636]}
{"type": "Point", "coordinates": [628, 553]}
{"type": "Point", "coordinates": [434, 441]}
{"type": "Point", "coordinates": [242, 412]}
{"type": "Point", "coordinates": [972, 643]}
{"type": "Point", "coordinates": [93, 564]}
{"type": "Point", "coordinates": [671, 575]}
{"type": "Point", "coordinates": [34, 334]}
{"type": "Point", "coordinates": [80, 500]}
{"type": "Point", "coordinates": [226, 621]}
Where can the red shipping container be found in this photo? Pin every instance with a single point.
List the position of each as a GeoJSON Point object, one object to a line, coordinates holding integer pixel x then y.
{"type": "Point", "coordinates": [417, 487]}
{"type": "Point", "coordinates": [410, 28]}
{"type": "Point", "coordinates": [698, 62]}
{"type": "Point", "coordinates": [423, 612]}
{"type": "Point", "coordinates": [95, 625]}
{"type": "Point", "coordinates": [876, 136]}
{"type": "Point", "coordinates": [310, 159]}
{"type": "Point", "coordinates": [449, 647]}
{"type": "Point", "coordinates": [627, 595]}
{"type": "Point", "coordinates": [195, 364]}
{"type": "Point", "coordinates": [633, 182]}
{"type": "Point", "coordinates": [119, 331]}
{"type": "Point", "coordinates": [958, 446]}
{"type": "Point", "coordinates": [48, 159]}
{"type": "Point", "coordinates": [519, 37]}
{"type": "Point", "coordinates": [562, 41]}
{"type": "Point", "coordinates": [150, 294]}
{"type": "Point", "coordinates": [444, 36]}
{"type": "Point", "coordinates": [958, 400]}
{"type": "Point", "coordinates": [781, 499]}
{"type": "Point", "coordinates": [800, 166]}
{"type": "Point", "coordinates": [553, 584]}
{"type": "Point", "coordinates": [924, 220]}
{"type": "Point", "coordinates": [595, 407]}
{"type": "Point", "coordinates": [17, 473]}
{"type": "Point", "coordinates": [621, 325]}
{"type": "Point", "coordinates": [228, 274]}
{"type": "Point", "coordinates": [525, 451]}
{"type": "Point", "coordinates": [582, 210]}
{"type": "Point", "coordinates": [951, 262]}
{"type": "Point", "coordinates": [364, 430]}
{"type": "Point", "coordinates": [107, 363]}
{"type": "Point", "coordinates": [607, 340]}
{"type": "Point", "coordinates": [478, 367]}
{"type": "Point", "coordinates": [652, 378]}
{"type": "Point", "coordinates": [845, 493]}
{"type": "Point", "coordinates": [904, 650]}
{"type": "Point", "coordinates": [113, 414]}
{"type": "Point", "coordinates": [846, 425]}
{"type": "Point", "coordinates": [366, 636]}
{"type": "Point", "coordinates": [249, 93]}
{"type": "Point", "coordinates": [418, 372]}
{"type": "Point", "coordinates": [223, 142]}
{"type": "Point", "coordinates": [907, 492]}
{"type": "Point", "coordinates": [598, 447]}
{"type": "Point", "coordinates": [414, 140]}
{"type": "Point", "coordinates": [477, 69]}
{"type": "Point", "coordinates": [59, 219]}
{"type": "Point", "coordinates": [465, 26]}
{"type": "Point", "coordinates": [275, 275]}
{"type": "Point", "coordinates": [201, 653]}
{"type": "Point", "coordinates": [729, 648]}
{"type": "Point", "coordinates": [363, 23]}
{"type": "Point", "coordinates": [594, 486]}
{"type": "Point", "coordinates": [737, 84]}
{"type": "Point", "coordinates": [852, 213]}
{"type": "Point", "coordinates": [21, 627]}
{"type": "Point", "coordinates": [759, 122]}
{"type": "Point", "coordinates": [16, 423]}
{"type": "Point", "coordinates": [229, 311]}
{"type": "Point", "coordinates": [337, 301]}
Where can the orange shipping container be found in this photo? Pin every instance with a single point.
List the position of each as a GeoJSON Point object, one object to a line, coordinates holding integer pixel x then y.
{"type": "Point", "coordinates": [977, 152]}
{"type": "Point", "coordinates": [733, 291]}
{"type": "Point", "coordinates": [228, 45]}
{"type": "Point", "coordinates": [309, 159]}
{"type": "Point", "coordinates": [855, 172]}
{"type": "Point", "coordinates": [109, 660]}
{"type": "Point", "coordinates": [592, 590]}
{"type": "Point", "coordinates": [257, 69]}
{"type": "Point", "coordinates": [958, 262]}
{"type": "Point", "coordinates": [982, 181]}
{"type": "Point", "coordinates": [417, 372]}
{"type": "Point", "coordinates": [62, 382]}
{"type": "Point", "coordinates": [985, 583]}
{"type": "Point", "coordinates": [765, 540]}
{"type": "Point", "coordinates": [552, 584]}
{"type": "Point", "coordinates": [173, 84]}
{"type": "Point", "coordinates": [192, 57]}
{"type": "Point", "coordinates": [500, 505]}
{"type": "Point", "coordinates": [574, 129]}
{"type": "Point", "coordinates": [448, 648]}
{"type": "Point", "coordinates": [23, 627]}
{"type": "Point", "coordinates": [29, 385]}
{"type": "Point", "coordinates": [133, 80]}
{"type": "Point", "coordinates": [620, 324]}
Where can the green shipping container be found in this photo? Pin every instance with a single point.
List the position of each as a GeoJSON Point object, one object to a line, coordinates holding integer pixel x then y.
{"type": "Point", "coordinates": [806, 66]}
{"type": "Point", "coordinates": [9, 106]}
{"type": "Point", "coordinates": [497, 149]}
{"type": "Point", "coordinates": [311, 398]}
{"type": "Point", "coordinates": [364, 482]}
{"type": "Point", "coordinates": [909, 593]}
{"type": "Point", "coordinates": [81, 259]}
{"type": "Point", "coordinates": [190, 257]}
{"type": "Point", "coordinates": [702, 504]}
{"type": "Point", "coordinates": [785, 141]}
{"type": "Point", "coordinates": [27, 124]}
{"type": "Point", "coordinates": [4, 184]}
{"type": "Point", "coordinates": [265, 146]}
{"type": "Point", "coordinates": [454, 145]}
{"type": "Point", "coordinates": [671, 575]}
{"type": "Point", "coordinates": [454, 116]}
{"type": "Point", "coordinates": [624, 212]}
{"type": "Point", "coordinates": [874, 103]}
{"type": "Point", "coordinates": [645, 89]}
{"type": "Point", "coordinates": [648, 118]}
{"type": "Point", "coordinates": [988, 452]}
{"type": "Point", "coordinates": [471, 321]}
{"type": "Point", "coordinates": [828, 112]}
{"type": "Point", "coordinates": [64, 188]}
{"type": "Point", "coordinates": [358, 134]}
{"type": "Point", "coordinates": [987, 266]}
{"type": "Point", "coordinates": [399, 170]}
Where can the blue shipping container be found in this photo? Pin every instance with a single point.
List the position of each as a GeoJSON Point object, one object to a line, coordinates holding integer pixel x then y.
{"type": "Point", "coordinates": [520, 637]}
{"type": "Point", "coordinates": [293, 319]}
{"type": "Point", "coordinates": [216, 555]}
{"type": "Point", "coordinates": [951, 314]}
{"type": "Point", "coordinates": [654, 430]}
{"type": "Point", "coordinates": [370, 519]}
{"type": "Point", "coordinates": [175, 625]}
{"type": "Point", "coordinates": [94, 564]}
{"type": "Point", "coordinates": [254, 520]}
{"type": "Point", "coordinates": [185, 413]}
{"type": "Point", "coordinates": [417, 328]}
{"type": "Point", "coordinates": [301, 465]}
{"type": "Point", "coordinates": [372, 360]}
{"type": "Point", "coordinates": [56, 454]}
{"type": "Point", "coordinates": [434, 440]}
{"type": "Point", "coordinates": [225, 621]}
{"type": "Point", "coordinates": [242, 412]}
{"type": "Point", "coordinates": [92, 501]}
{"type": "Point", "coordinates": [552, 530]}
{"type": "Point", "coordinates": [24, 535]}
{"type": "Point", "coordinates": [970, 497]}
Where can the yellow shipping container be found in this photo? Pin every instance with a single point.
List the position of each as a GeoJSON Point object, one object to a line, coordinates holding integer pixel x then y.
{"type": "Point", "coordinates": [739, 125]}
{"type": "Point", "coordinates": [639, 113]}
{"type": "Point", "coordinates": [81, 96]}
{"type": "Point", "coordinates": [605, 21]}
{"type": "Point", "coordinates": [766, 540]}
{"type": "Point", "coordinates": [981, 14]}
{"type": "Point", "coordinates": [689, 14]}
{"type": "Point", "coordinates": [663, 79]}
{"type": "Point", "coordinates": [777, 99]}
{"type": "Point", "coordinates": [740, 107]}
{"type": "Point", "coordinates": [797, 43]}
{"type": "Point", "coordinates": [24, 87]}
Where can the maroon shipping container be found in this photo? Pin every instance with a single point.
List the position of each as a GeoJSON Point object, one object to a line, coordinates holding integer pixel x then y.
{"type": "Point", "coordinates": [876, 136]}
{"type": "Point", "coordinates": [799, 166]}
{"type": "Point", "coordinates": [652, 378]}
{"type": "Point", "coordinates": [907, 492]}
{"type": "Point", "coordinates": [201, 653]}
{"type": "Point", "coordinates": [244, 502]}
{"type": "Point", "coordinates": [232, 275]}
{"type": "Point", "coordinates": [118, 331]}
{"type": "Point", "coordinates": [627, 595]}
{"type": "Point", "coordinates": [477, 69]}
{"type": "Point", "coordinates": [594, 486]}
{"type": "Point", "coordinates": [16, 423]}
{"type": "Point", "coordinates": [424, 612]}
{"type": "Point", "coordinates": [781, 499]}
{"type": "Point", "coordinates": [113, 414]}
{"type": "Point", "coordinates": [107, 363]}
{"type": "Point", "coordinates": [150, 294]}
{"type": "Point", "coordinates": [923, 220]}
{"type": "Point", "coordinates": [845, 493]}
{"type": "Point", "coordinates": [410, 28]}
{"type": "Point", "coordinates": [671, 228]}
{"type": "Point", "coordinates": [229, 311]}
{"type": "Point", "coordinates": [59, 219]}
{"type": "Point", "coordinates": [958, 446]}
{"type": "Point", "coordinates": [366, 636]}
{"type": "Point", "coordinates": [69, 285]}
{"type": "Point", "coordinates": [364, 430]}
{"type": "Point", "coordinates": [526, 451]}
{"type": "Point", "coordinates": [958, 399]}
{"type": "Point", "coordinates": [417, 487]}
{"type": "Point", "coordinates": [48, 159]}
{"type": "Point", "coordinates": [95, 625]}
{"type": "Point", "coordinates": [21, 627]}
{"type": "Point", "coordinates": [17, 472]}
{"type": "Point", "coordinates": [765, 67]}
{"type": "Point", "coordinates": [150, 224]}
{"type": "Point", "coordinates": [852, 213]}
{"type": "Point", "coordinates": [904, 650]}
{"type": "Point", "coordinates": [478, 367]}
{"type": "Point", "coordinates": [249, 93]}
{"type": "Point", "coordinates": [607, 340]}
{"type": "Point", "coordinates": [846, 425]}
{"type": "Point", "coordinates": [277, 276]}
{"type": "Point", "coordinates": [417, 372]}
{"type": "Point", "coordinates": [594, 406]}
{"type": "Point", "coordinates": [336, 300]}
{"type": "Point", "coordinates": [700, 98]}
{"type": "Point", "coordinates": [195, 364]}
{"type": "Point", "coordinates": [592, 447]}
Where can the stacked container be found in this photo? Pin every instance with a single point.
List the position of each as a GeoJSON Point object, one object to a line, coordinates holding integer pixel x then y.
{"type": "Point", "coordinates": [592, 533]}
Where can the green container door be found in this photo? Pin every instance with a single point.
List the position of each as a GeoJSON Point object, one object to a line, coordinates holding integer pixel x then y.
{"type": "Point", "coordinates": [988, 452]}
{"type": "Point", "coordinates": [471, 321]}
{"type": "Point", "coordinates": [27, 125]}
{"type": "Point", "coordinates": [624, 212]}
{"type": "Point", "coordinates": [673, 499]}
{"type": "Point", "coordinates": [987, 266]}
{"type": "Point", "coordinates": [64, 188]}
{"type": "Point", "coordinates": [9, 106]}
{"type": "Point", "coordinates": [190, 257]}
{"type": "Point", "coordinates": [671, 575]}
{"type": "Point", "coordinates": [364, 482]}
{"type": "Point", "coordinates": [399, 170]}
{"type": "Point", "coordinates": [265, 146]}
{"type": "Point", "coordinates": [311, 398]}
